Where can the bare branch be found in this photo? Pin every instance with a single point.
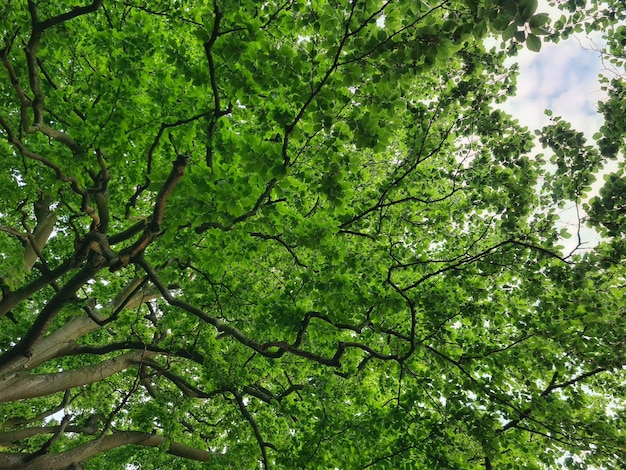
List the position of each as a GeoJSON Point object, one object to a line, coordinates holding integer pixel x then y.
{"type": "Point", "coordinates": [83, 452]}
{"type": "Point", "coordinates": [22, 385]}
{"type": "Point", "coordinates": [153, 229]}
{"type": "Point", "coordinates": [255, 428]}
{"type": "Point", "coordinates": [70, 15]}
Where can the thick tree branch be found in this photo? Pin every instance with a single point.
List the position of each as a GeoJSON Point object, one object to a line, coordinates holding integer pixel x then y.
{"type": "Point", "coordinates": [70, 15]}
{"type": "Point", "coordinates": [11, 299]}
{"type": "Point", "coordinates": [35, 83]}
{"type": "Point", "coordinates": [217, 112]}
{"type": "Point", "coordinates": [18, 421]}
{"type": "Point", "coordinates": [58, 343]}
{"type": "Point", "coordinates": [128, 233]}
{"type": "Point", "coordinates": [101, 193]}
{"type": "Point", "coordinates": [45, 318]}
{"type": "Point", "coordinates": [23, 385]}
{"type": "Point", "coordinates": [64, 460]}
{"type": "Point", "coordinates": [61, 342]}
{"type": "Point", "coordinates": [153, 229]}
{"type": "Point", "coordinates": [9, 437]}
{"type": "Point", "coordinates": [45, 223]}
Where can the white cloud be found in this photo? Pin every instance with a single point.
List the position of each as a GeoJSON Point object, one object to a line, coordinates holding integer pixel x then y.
{"type": "Point", "coordinates": [562, 77]}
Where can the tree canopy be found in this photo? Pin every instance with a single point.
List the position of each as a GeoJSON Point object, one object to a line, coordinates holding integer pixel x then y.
{"type": "Point", "coordinates": [301, 234]}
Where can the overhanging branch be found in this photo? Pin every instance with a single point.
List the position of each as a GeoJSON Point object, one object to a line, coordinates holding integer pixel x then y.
{"type": "Point", "coordinates": [85, 451]}
{"type": "Point", "coordinates": [153, 229]}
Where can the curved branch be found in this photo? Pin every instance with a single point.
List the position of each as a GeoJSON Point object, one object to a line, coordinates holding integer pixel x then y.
{"type": "Point", "coordinates": [188, 389]}
{"type": "Point", "coordinates": [220, 325]}
{"type": "Point", "coordinates": [246, 215]}
{"type": "Point", "coordinates": [33, 73]}
{"type": "Point", "coordinates": [45, 318]}
{"type": "Point", "coordinates": [272, 349]}
{"type": "Point", "coordinates": [279, 239]}
{"type": "Point", "coordinates": [12, 299]}
{"type": "Point", "coordinates": [22, 385]}
{"type": "Point", "coordinates": [9, 437]}
{"type": "Point", "coordinates": [85, 451]}
{"type": "Point", "coordinates": [17, 421]}
{"type": "Point", "coordinates": [217, 112]}
{"type": "Point", "coordinates": [255, 428]}
{"type": "Point", "coordinates": [129, 232]}
{"type": "Point", "coordinates": [553, 385]}
{"type": "Point", "coordinates": [153, 229]}
{"type": "Point", "coordinates": [70, 15]}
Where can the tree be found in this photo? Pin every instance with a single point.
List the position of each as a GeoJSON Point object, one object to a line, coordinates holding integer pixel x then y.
{"type": "Point", "coordinates": [296, 235]}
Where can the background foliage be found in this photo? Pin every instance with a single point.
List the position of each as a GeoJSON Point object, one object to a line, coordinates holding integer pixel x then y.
{"type": "Point", "coordinates": [301, 235]}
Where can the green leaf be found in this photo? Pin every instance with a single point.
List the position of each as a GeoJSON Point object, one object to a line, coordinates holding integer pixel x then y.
{"type": "Point", "coordinates": [540, 19]}
{"type": "Point", "coordinates": [527, 8]}
{"type": "Point", "coordinates": [520, 36]}
{"type": "Point", "coordinates": [500, 23]}
{"type": "Point", "coordinates": [510, 7]}
{"type": "Point", "coordinates": [509, 32]}
{"type": "Point", "coordinates": [533, 42]}
{"type": "Point", "coordinates": [540, 31]}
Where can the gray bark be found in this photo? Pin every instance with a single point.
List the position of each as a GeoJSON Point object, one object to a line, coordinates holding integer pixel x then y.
{"type": "Point", "coordinates": [22, 385]}
{"type": "Point", "coordinates": [85, 451]}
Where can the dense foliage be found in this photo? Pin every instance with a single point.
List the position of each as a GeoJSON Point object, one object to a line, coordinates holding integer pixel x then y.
{"type": "Point", "coordinates": [300, 234]}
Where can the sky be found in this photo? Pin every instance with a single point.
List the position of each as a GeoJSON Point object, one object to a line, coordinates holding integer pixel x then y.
{"type": "Point", "coordinates": [562, 77]}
